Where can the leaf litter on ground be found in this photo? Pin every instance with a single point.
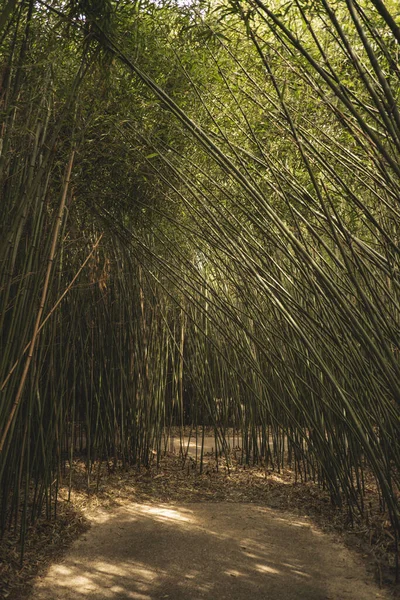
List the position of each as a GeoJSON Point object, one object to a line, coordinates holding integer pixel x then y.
{"type": "Point", "coordinates": [178, 480]}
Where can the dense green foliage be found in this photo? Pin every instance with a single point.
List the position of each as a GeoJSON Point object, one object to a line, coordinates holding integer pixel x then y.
{"type": "Point", "coordinates": [199, 224]}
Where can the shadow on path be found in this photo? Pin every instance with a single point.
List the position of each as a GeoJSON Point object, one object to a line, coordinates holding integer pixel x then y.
{"type": "Point", "coordinates": [205, 551]}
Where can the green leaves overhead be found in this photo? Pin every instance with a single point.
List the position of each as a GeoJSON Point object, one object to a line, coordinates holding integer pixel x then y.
{"type": "Point", "coordinates": [241, 163]}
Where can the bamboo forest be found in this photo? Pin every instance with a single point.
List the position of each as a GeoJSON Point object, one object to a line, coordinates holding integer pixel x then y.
{"type": "Point", "coordinates": [199, 241]}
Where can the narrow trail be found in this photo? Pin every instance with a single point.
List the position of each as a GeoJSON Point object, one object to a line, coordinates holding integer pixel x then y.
{"type": "Point", "coordinates": [207, 550]}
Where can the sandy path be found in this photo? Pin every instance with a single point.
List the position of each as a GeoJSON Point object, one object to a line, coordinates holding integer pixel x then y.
{"type": "Point", "coordinates": [213, 551]}
{"type": "Point", "coordinates": [193, 445]}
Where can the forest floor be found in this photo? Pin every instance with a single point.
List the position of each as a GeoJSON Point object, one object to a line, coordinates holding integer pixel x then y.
{"type": "Point", "coordinates": [171, 532]}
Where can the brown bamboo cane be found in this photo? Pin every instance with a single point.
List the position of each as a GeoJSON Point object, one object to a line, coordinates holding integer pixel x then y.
{"type": "Point", "coordinates": [41, 307]}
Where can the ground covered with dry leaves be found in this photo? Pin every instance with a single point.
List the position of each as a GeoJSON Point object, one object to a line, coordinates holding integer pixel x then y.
{"type": "Point", "coordinates": [176, 480]}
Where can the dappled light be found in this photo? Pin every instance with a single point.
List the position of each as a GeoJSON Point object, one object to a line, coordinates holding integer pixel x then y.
{"type": "Point", "coordinates": [278, 479]}
{"type": "Point", "coordinates": [200, 263]}
{"type": "Point", "coordinates": [267, 569]}
{"type": "Point", "coordinates": [163, 513]}
{"type": "Point", "coordinates": [215, 551]}
{"type": "Point", "coordinates": [106, 578]}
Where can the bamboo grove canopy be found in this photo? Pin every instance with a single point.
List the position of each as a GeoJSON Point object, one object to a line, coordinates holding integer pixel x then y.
{"type": "Point", "coordinates": [199, 224]}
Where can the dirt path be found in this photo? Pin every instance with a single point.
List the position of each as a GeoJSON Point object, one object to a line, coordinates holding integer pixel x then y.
{"type": "Point", "coordinates": [193, 445]}
{"type": "Point", "coordinates": [213, 551]}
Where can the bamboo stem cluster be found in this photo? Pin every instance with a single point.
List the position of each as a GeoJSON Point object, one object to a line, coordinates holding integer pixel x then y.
{"type": "Point", "coordinates": [248, 278]}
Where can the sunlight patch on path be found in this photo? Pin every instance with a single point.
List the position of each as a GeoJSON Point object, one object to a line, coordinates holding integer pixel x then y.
{"type": "Point", "coordinates": [105, 578]}
{"type": "Point", "coordinates": [162, 513]}
{"type": "Point", "coordinates": [207, 551]}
